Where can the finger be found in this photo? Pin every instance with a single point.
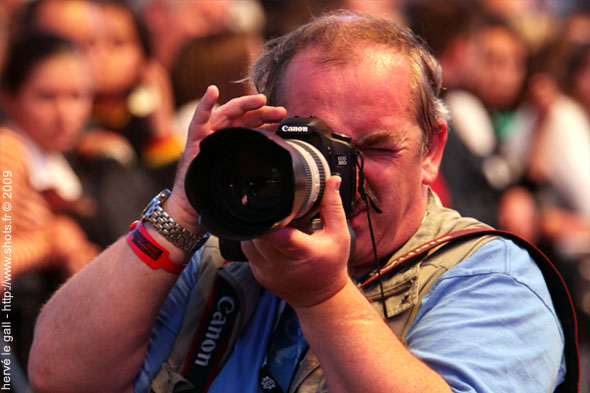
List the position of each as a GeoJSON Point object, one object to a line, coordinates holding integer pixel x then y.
{"type": "Point", "coordinates": [331, 209]}
{"type": "Point", "coordinates": [264, 115]}
{"type": "Point", "coordinates": [237, 107]}
{"type": "Point", "coordinates": [198, 129]}
{"type": "Point", "coordinates": [205, 107]}
{"type": "Point", "coordinates": [247, 111]}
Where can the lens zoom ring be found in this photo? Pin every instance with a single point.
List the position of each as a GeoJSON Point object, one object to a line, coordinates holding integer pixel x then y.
{"type": "Point", "coordinates": [320, 164]}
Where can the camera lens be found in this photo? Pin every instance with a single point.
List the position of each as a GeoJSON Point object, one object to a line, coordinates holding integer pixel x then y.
{"type": "Point", "coordinates": [245, 183]}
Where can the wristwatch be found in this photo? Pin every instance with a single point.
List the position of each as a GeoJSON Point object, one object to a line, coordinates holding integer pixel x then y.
{"type": "Point", "coordinates": [167, 227]}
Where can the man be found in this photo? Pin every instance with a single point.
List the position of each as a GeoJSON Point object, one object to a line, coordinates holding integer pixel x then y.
{"type": "Point", "coordinates": [369, 79]}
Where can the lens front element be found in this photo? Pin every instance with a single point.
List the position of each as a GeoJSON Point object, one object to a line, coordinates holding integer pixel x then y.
{"type": "Point", "coordinates": [252, 184]}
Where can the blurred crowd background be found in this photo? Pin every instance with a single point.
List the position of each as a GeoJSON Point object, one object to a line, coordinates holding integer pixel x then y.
{"type": "Point", "coordinates": [96, 97]}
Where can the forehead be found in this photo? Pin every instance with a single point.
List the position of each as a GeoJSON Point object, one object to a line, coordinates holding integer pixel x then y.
{"type": "Point", "coordinates": [500, 40]}
{"type": "Point", "coordinates": [119, 20]}
{"type": "Point", "coordinates": [63, 71]}
{"type": "Point", "coordinates": [371, 91]}
{"type": "Point", "coordinates": [77, 20]}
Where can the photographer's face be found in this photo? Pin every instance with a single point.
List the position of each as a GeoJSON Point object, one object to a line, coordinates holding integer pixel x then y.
{"type": "Point", "coordinates": [370, 100]}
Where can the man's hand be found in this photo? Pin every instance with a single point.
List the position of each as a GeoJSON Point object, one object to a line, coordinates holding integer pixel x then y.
{"type": "Point", "coordinates": [303, 269]}
{"type": "Point", "coordinates": [247, 111]}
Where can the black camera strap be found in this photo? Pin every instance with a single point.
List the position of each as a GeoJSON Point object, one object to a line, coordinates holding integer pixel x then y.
{"type": "Point", "coordinates": [367, 199]}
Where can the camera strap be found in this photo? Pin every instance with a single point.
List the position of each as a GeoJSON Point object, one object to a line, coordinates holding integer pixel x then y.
{"type": "Point", "coordinates": [367, 199]}
{"type": "Point", "coordinates": [212, 337]}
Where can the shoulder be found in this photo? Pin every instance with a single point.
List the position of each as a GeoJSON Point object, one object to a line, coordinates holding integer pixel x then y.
{"type": "Point", "coordinates": [504, 260]}
{"type": "Point", "coordinates": [11, 138]}
{"type": "Point", "coordinates": [500, 269]}
{"type": "Point", "coordinates": [490, 324]}
{"type": "Point", "coordinates": [13, 145]}
{"type": "Point", "coordinates": [15, 158]}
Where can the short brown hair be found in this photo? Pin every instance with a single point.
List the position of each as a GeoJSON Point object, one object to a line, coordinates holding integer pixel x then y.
{"type": "Point", "coordinates": [339, 33]}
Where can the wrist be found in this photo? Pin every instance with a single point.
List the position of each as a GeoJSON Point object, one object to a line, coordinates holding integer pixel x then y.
{"type": "Point", "coordinates": [182, 212]}
{"type": "Point", "coordinates": [176, 253]}
{"type": "Point", "coordinates": [161, 221]}
{"type": "Point", "coordinates": [152, 252]}
{"type": "Point", "coordinates": [327, 305]}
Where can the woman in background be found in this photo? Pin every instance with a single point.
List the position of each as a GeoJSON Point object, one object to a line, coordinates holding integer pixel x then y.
{"type": "Point", "coordinates": [46, 97]}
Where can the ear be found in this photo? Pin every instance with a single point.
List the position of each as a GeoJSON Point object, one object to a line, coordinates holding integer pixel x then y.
{"type": "Point", "coordinates": [432, 158]}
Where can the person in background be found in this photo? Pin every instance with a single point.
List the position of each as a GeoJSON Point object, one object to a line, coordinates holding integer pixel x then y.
{"type": "Point", "coordinates": [130, 145]}
{"type": "Point", "coordinates": [222, 60]}
{"type": "Point", "coordinates": [485, 109]}
{"type": "Point", "coordinates": [551, 145]}
{"type": "Point", "coordinates": [46, 94]}
{"type": "Point", "coordinates": [551, 140]}
{"type": "Point", "coordinates": [77, 20]}
{"type": "Point", "coordinates": [134, 95]}
{"type": "Point", "coordinates": [498, 73]}
{"type": "Point", "coordinates": [190, 19]}
{"type": "Point", "coordinates": [448, 26]}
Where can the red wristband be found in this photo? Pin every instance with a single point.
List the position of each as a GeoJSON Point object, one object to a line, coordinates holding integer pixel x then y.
{"type": "Point", "coordinates": [149, 251]}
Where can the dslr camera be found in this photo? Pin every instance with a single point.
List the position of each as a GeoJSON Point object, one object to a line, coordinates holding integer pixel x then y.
{"type": "Point", "coordinates": [245, 183]}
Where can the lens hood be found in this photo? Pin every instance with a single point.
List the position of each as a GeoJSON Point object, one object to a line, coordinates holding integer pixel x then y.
{"type": "Point", "coordinates": [242, 183]}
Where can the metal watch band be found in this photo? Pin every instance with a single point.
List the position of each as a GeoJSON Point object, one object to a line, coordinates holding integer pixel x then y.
{"type": "Point", "coordinates": [167, 227]}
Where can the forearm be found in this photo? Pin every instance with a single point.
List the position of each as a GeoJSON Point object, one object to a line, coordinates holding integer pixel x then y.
{"type": "Point", "coordinates": [357, 350]}
{"type": "Point", "coordinates": [92, 335]}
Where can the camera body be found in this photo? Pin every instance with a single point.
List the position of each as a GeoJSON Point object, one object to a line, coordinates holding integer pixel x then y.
{"type": "Point", "coordinates": [335, 148]}
{"type": "Point", "coordinates": [245, 182]}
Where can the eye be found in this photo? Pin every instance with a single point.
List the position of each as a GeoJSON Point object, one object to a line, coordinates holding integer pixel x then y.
{"type": "Point", "coordinates": [380, 144]}
{"type": "Point", "coordinates": [79, 95]}
{"type": "Point", "coordinates": [376, 151]}
{"type": "Point", "coordinates": [46, 95]}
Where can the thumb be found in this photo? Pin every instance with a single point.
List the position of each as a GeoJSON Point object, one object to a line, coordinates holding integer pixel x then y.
{"type": "Point", "coordinates": [331, 209]}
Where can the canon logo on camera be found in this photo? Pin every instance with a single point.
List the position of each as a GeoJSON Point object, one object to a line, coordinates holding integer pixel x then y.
{"type": "Point", "coordinates": [287, 128]}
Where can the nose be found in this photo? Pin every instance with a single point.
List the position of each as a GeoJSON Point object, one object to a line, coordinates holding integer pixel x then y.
{"type": "Point", "coordinates": [61, 109]}
{"type": "Point", "coordinates": [70, 112]}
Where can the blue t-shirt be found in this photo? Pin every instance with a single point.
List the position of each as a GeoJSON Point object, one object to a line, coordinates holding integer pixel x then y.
{"type": "Point", "coordinates": [487, 325]}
